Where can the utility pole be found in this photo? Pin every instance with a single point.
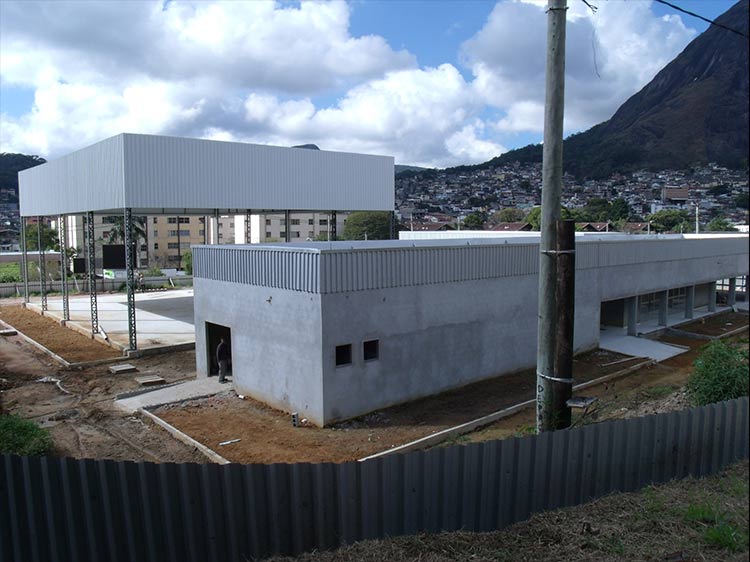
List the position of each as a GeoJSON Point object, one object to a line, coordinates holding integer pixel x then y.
{"type": "Point", "coordinates": [554, 106]}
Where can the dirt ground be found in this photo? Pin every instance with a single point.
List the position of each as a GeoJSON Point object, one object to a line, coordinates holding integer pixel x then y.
{"type": "Point", "coordinates": [68, 344]}
{"type": "Point", "coordinates": [653, 389]}
{"type": "Point", "coordinates": [79, 412]}
{"type": "Point", "coordinates": [267, 436]}
{"type": "Point", "coordinates": [690, 520]}
{"type": "Point", "coordinates": [717, 325]}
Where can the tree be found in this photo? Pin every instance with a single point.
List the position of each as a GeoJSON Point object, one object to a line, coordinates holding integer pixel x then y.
{"type": "Point", "coordinates": [187, 262]}
{"type": "Point", "coordinates": [534, 218]}
{"type": "Point", "coordinates": [370, 225]}
{"type": "Point", "coordinates": [620, 210]}
{"type": "Point", "coordinates": [510, 214]}
{"type": "Point", "coordinates": [742, 200]}
{"type": "Point", "coordinates": [50, 240]}
{"type": "Point", "coordinates": [475, 221]}
{"type": "Point", "coordinates": [117, 228]}
{"type": "Point", "coordinates": [669, 220]}
{"type": "Point", "coordinates": [720, 224]}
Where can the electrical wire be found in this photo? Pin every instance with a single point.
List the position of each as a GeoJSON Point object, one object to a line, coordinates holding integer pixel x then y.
{"type": "Point", "coordinates": [712, 22]}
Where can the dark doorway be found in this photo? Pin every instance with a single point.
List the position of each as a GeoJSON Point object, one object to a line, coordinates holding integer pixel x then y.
{"type": "Point", "coordinates": [214, 333]}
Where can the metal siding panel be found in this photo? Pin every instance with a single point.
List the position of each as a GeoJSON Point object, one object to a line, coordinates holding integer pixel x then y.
{"type": "Point", "coordinates": [279, 503]}
{"type": "Point", "coordinates": [200, 174]}
{"type": "Point", "coordinates": [350, 512]}
{"type": "Point", "coordinates": [90, 179]}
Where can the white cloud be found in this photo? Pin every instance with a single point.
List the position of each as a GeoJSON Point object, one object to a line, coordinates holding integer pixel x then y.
{"type": "Point", "coordinates": [610, 55]}
{"type": "Point", "coordinates": [257, 71]}
{"type": "Point", "coordinates": [421, 116]}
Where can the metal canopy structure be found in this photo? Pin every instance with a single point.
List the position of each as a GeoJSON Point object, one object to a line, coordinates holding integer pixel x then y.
{"type": "Point", "coordinates": [131, 174]}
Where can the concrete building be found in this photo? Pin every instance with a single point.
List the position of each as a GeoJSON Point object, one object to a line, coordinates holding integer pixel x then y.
{"type": "Point", "coordinates": [335, 330]}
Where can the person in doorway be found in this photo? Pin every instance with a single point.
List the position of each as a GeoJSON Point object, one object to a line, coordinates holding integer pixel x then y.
{"type": "Point", "coordinates": [222, 358]}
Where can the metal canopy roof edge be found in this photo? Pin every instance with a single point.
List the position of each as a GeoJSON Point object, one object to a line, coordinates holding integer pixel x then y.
{"type": "Point", "coordinates": [149, 173]}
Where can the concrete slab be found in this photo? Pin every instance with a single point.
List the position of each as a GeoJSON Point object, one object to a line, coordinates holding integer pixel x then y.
{"type": "Point", "coordinates": [122, 368]}
{"type": "Point", "coordinates": [163, 318]}
{"type": "Point", "coordinates": [613, 340]}
{"type": "Point", "coordinates": [185, 391]}
{"type": "Point", "coordinates": [675, 319]}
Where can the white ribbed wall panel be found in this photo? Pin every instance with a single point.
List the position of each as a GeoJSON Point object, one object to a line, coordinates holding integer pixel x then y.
{"type": "Point", "coordinates": [89, 179]}
{"type": "Point", "coordinates": [170, 174]}
{"type": "Point", "coordinates": [309, 269]}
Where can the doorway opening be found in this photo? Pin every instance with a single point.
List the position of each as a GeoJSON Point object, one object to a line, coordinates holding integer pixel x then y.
{"type": "Point", "coordinates": [214, 334]}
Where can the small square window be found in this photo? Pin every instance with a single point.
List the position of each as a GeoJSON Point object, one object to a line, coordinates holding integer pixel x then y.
{"type": "Point", "coordinates": [343, 354]}
{"type": "Point", "coordinates": [371, 350]}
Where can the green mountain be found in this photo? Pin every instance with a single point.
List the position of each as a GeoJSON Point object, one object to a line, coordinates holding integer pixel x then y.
{"type": "Point", "coordinates": [695, 110]}
{"type": "Point", "coordinates": [10, 165]}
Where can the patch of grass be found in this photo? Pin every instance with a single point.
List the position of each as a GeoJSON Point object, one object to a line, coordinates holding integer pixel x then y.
{"type": "Point", "coordinates": [702, 513]}
{"type": "Point", "coordinates": [721, 373]}
{"type": "Point", "coordinates": [613, 545]}
{"type": "Point", "coordinates": [10, 273]}
{"type": "Point", "coordinates": [658, 392]}
{"type": "Point", "coordinates": [726, 536]}
{"type": "Point", "coordinates": [526, 430]}
{"type": "Point", "coordinates": [23, 437]}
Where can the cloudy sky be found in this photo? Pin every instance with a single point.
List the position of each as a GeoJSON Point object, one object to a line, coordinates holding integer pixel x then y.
{"type": "Point", "coordinates": [433, 83]}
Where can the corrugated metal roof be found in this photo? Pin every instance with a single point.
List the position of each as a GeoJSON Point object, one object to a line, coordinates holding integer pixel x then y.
{"type": "Point", "coordinates": [153, 174]}
{"type": "Point", "coordinates": [357, 266]}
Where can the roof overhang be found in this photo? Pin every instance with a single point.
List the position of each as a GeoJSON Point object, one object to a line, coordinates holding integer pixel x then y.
{"type": "Point", "coordinates": [171, 175]}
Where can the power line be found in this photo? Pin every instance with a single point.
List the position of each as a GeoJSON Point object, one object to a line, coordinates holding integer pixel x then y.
{"type": "Point", "coordinates": [712, 22]}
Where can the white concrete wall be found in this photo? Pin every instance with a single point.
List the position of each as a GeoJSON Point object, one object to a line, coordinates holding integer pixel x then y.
{"type": "Point", "coordinates": [276, 342]}
{"type": "Point", "coordinates": [436, 337]}
{"type": "Point", "coordinates": [445, 313]}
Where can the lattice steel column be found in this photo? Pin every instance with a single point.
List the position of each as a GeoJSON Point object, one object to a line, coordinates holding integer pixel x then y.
{"type": "Point", "coordinates": [130, 276]}
{"type": "Point", "coordinates": [248, 228]}
{"type": "Point", "coordinates": [24, 261]}
{"type": "Point", "coordinates": [91, 270]}
{"type": "Point", "coordinates": [62, 225]}
{"type": "Point", "coordinates": [215, 227]}
{"type": "Point", "coordinates": [332, 227]}
{"type": "Point", "coordinates": [288, 227]}
{"type": "Point", "coordinates": [394, 229]}
{"type": "Point", "coordinates": [42, 264]}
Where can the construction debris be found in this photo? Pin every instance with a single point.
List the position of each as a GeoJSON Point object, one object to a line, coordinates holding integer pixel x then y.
{"type": "Point", "coordinates": [149, 380]}
{"type": "Point", "coordinates": [122, 368]}
{"type": "Point", "coordinates": [56, 381]}
{"type": "Point", "coordinates": [229, 442]}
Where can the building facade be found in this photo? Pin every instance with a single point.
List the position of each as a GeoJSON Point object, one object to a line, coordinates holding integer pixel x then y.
{"type": "Point", "coordinates": [337, 330]}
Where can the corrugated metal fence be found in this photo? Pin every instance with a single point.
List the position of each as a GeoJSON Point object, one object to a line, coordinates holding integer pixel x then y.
{"type": "Point", "coordinates": [66, 509]}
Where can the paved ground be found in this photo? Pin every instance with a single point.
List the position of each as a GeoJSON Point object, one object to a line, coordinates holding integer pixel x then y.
{"type": "Point", "coordinates": [613, 340]}
{"type": "Point", "coordinates": [197, 388]}
{"type": "Point", "coordinates": [163, 317]}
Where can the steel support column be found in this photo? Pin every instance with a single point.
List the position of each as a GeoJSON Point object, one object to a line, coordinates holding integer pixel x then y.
{"type": "Point", "coordinates": [24, 262]}
{"type": "Point", "coordinates": [62, 226]}
{"type": "Point", "coordinates": [248, 228]}
{"type": "Point", "coordinates": [731, 297]}
{"type": "Point", "coordinates": [394, 229]}
{"type": "Point", "coordinates": [42, 264]}
{"type": "Point", "coordinates": [287, 226]}
{"type": "Point", "coordinates": [91, 270]}
{"type": "Point", "coordinates": [130, 275]}
{"type": "Point", "coordinates": [332, 226]}
{"type": "Point", "coordinates": [215, 227]}
{"type": "Point", "coordinates": [712, 297]}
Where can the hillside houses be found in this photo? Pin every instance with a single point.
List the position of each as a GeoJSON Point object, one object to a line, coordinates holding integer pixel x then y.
{"type": "Point", "coordinates": [453, 194]}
